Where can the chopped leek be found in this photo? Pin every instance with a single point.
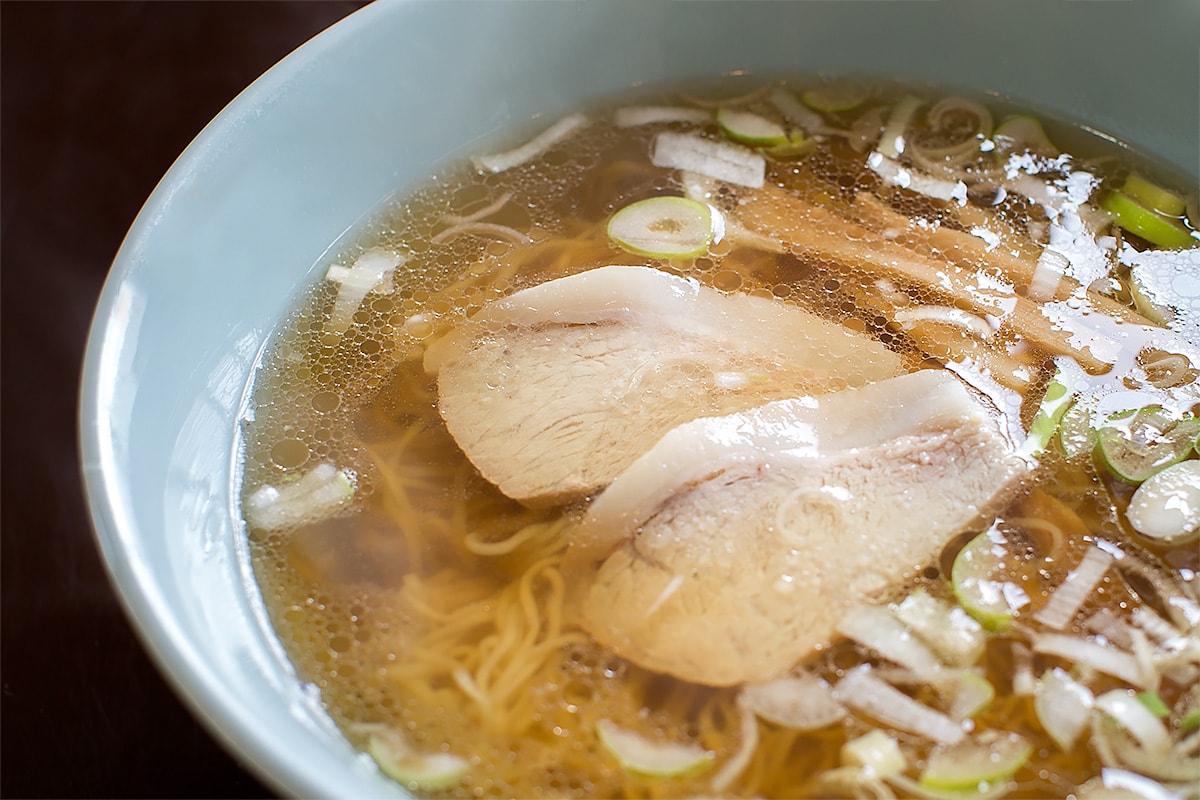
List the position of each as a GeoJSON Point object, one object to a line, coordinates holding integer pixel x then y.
{"type": "Point", "coordinates": [365, 275]}
{"type": "Point", "coordinates": [1138, 720]}
{"type": "Point", "coordinates": [989, 758]}
{"type": "Point", "coordinates": [862, 691]}
{"type": "Point", "coordinates": [1154, 228]}
{"type": "Point", "coordinates": [665, 227]}
{"type": "Point", "coordinates": [1154, 704]}
{"type": "Point", "coordinates": [803, 702]}
{"type": "Point", "coordinates": [638, 754]}
{"type": "Point", "coordinates": [1138, 444]}
{"type": "Point", "coordinates": [892, 142]}
{"type": "Point", "coordinates": [875, 752]}
{"type": "Point", "coordinates": [967, 692]}
{"type": "Point", "coordinates": [984, 598]}
{"type": "Point", "coordinates": [721, 160]}
{"type": "Point", "coordinates": [1152, 196]}
{"type": "Point", "coordinates": [1166, 507]}
{"type": "Point", "coordinates": [797, 146]}
{"type": "Point", "coordinates": [1055, 402]}
{"type": "Point", "coordinates": [426, 771]}
{"type": "Point", "coordinates": [953, 634]}
{"type": "Point", "coordinates": [750, 128]}
{"type": "Point", "coordinates": [834, 97]}
{"type": "Point", "coordinates": [548, 138]}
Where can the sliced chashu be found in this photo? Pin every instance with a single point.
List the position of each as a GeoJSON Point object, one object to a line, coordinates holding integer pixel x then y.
{"type": "Point", "coordinates": [554, 390]}
{"type": "Point", "coordinates": [730, 551]}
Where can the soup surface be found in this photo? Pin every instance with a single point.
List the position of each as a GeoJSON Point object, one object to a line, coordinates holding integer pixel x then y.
{"type": "Point", "coordinates": [797, 438]}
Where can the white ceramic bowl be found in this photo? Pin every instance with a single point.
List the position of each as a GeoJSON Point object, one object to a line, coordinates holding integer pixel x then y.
{"type": "Point", "coordinates": [372, 106]}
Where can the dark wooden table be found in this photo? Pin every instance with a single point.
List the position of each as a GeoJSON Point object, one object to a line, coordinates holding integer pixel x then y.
{"type": "Point", "coordinates": [98, 99]}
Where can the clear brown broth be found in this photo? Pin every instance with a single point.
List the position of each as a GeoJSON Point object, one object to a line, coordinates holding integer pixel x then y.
{"type": "Point", "coordinates": [358, 599]}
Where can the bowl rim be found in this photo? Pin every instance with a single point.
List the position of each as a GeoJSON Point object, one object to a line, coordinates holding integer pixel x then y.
{"type": "Point", "coordinates": [112, 518]}
{"type": "Point", "coordinates": [113, 521]}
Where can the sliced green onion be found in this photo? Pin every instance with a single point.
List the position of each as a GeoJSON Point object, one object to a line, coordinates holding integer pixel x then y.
{"type": "Point", "coordinates": [1142, 442]}
{"type": "Point", "coordinates": [989, 758]}
{"type": "Point", "coordinates": [1190, 721]}
{"type": "Point", "coordinates": [750, 128]}
{"type": "Point", "coordinates": [983, 597]}
{"type": "Point", "coordinates": [802, 702]}
{"type": "Point", "coordinates": [1054, 405]}
{"type": "Point", "coordinates": [644, 756]}
{"type": "Point", "coordinates": [1076, 434]}
{"type": "Point", "coordinates": [1142, 301]}
{"type": "Point", "coordinates": [1154, 704]}
{"type": "Point", "coordinates": [427, 771]}
{"type": "Point", "coordinates": [1166, 507]}
{"type": "Point", "coordinates": [1154, 228]}
{"type": "Point", "coordinates": [1152, 196]}
{"type": "Point", "coordinates": [665, 227]}
{"type": "Point", "coordinates": [953, 634]}
{"type": "Point", "coordinates": [967, 692]}
{"type": "Point", "coordinates": [834, 97]}
{"type": "Point", "coordinates": [1135, 718]}
{"type": "Point", "coordinates": [1022, 132]}
{"type": "Point", "coordinates": [892, 142]}
{"type": "Point", "coordinates": [797, 146]}
{"type": "Point", "coordinates": [876, 752]}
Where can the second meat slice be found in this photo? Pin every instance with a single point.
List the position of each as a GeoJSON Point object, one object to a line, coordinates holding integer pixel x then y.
{"type": "Point", "coordinates": [553, 391]}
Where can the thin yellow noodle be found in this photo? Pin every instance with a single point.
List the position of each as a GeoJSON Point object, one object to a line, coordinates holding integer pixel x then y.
{"type": "Point", "coordinates": [494, 648]}
{"type": "Point", "coordinates": [476, 545]}
{"type": "Point", "coordinates": [526, 611]}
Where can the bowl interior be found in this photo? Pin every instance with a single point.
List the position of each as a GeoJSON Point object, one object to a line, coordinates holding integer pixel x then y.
{"type": "Point", "coordinates": [372, 106]}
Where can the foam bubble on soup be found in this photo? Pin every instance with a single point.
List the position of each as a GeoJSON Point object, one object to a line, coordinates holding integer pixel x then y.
{"type": "Point", "coordinates": [827, 476]}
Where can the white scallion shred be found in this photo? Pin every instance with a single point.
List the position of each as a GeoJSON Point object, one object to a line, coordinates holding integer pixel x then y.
{"type": "Point", "coordinates": [357, 281]}
{"type": "Point", "coordinates": [721, 160]}
{"type": "Point", "coordinates": [876, 753]}
{"type": "Point", "coordinates": [876, 628]}
{"type": "Point", "coordinates": [1098, 655]}
{"type": "Point", "coordinates": [318, 494]}
{"type": "Point", "coordinates": [954, 634]}
{"type": "Point", "coordinates": [1023, 684]}
{"type": "Point", "coordinates": [1063, 706]}
{"type": "Point", "coordinates": [558, 132]}
{"type": "Point", "coordinates": [860, 690]}
{"type": "Point", "coordinates": [645, 756]}
{"type": "Point", "coordinates": [906, 178]}
{"type": "Point", "coordinates": [802, 702]}
{"type": "Point", "coordinates": [1067, 598]}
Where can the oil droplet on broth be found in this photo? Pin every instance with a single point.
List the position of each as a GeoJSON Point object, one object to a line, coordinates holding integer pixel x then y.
{"type": "Point", "coordinates": [290, 453]}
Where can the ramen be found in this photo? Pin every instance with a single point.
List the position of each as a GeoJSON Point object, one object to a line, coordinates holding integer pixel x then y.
{"type": "Point", "coordinates": [836, 438]}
